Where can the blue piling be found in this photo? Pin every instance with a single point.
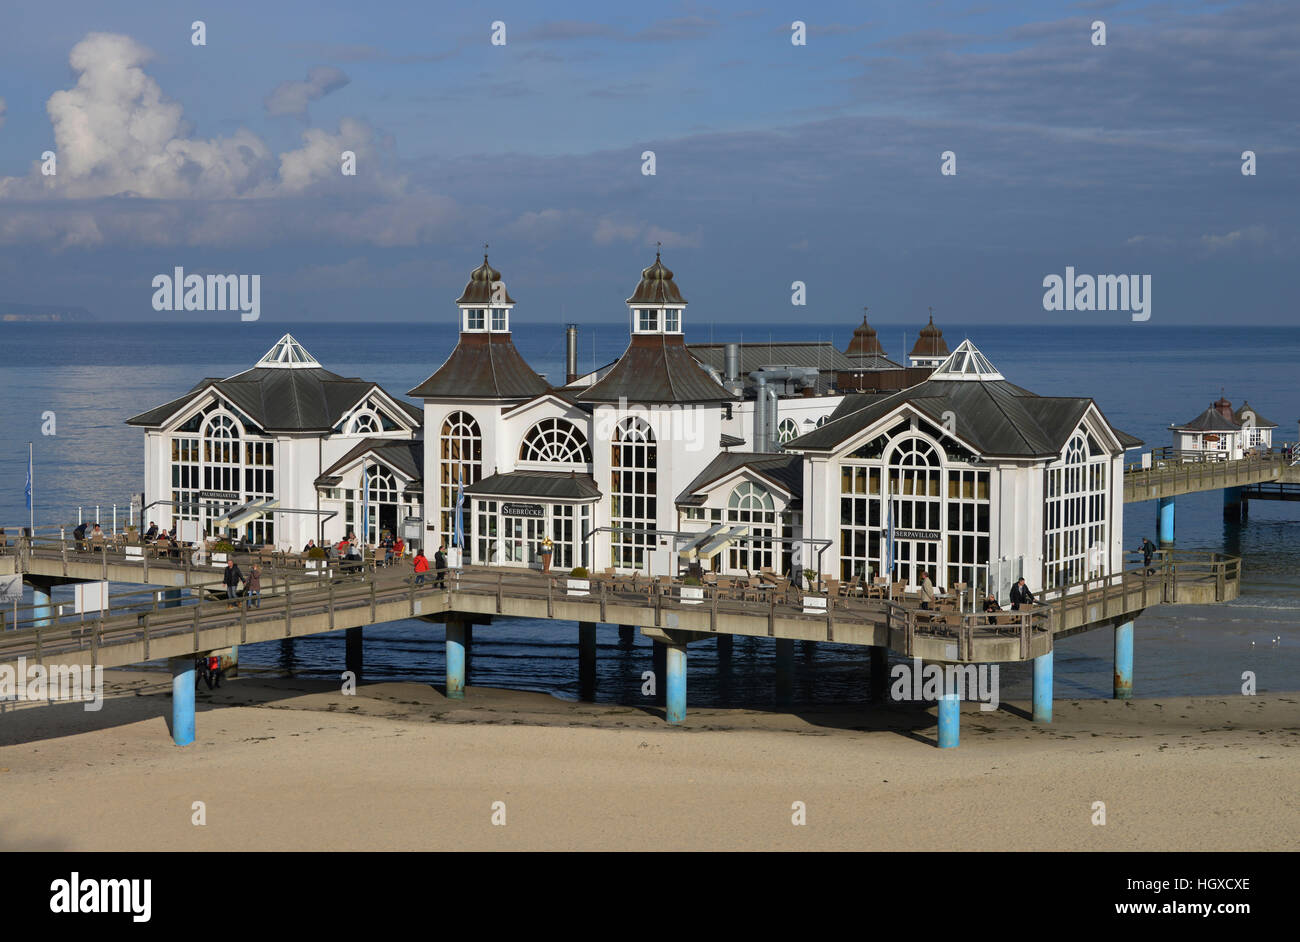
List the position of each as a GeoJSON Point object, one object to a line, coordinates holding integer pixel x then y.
{"type": "Point", "coordinates": [456, 660]}
{"type": "Point", "coordinates": [676, 668]}
{"type": "Point", "coordinates": [1165, 515]}
{"type": "Point", "coordinates": [1043, 687]}
{"type": "Point", "coordinates": [182, 700]}
{"type": "Point", "coordinates": [1124, 661]}
{"type": "Point", "coordinates": [949, 720]}
{"type": "Point", "coordinates": [41, 601]}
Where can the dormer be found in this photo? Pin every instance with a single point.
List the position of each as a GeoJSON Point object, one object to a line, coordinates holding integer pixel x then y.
{"type": "Point", "coordinates": [656, 306]}
{"type": "Point", "coordinates": [485, 304]}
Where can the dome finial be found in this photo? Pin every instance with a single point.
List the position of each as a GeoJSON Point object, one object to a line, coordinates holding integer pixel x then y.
{"type": "Point", "coordinates": [658, 247]}
{"type": "Point", "coordinates": [485, 248]}
{"type": "Point", "coordinates": [931, 315]}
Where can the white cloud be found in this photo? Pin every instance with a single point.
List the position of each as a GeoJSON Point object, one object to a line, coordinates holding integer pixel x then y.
{"type": "Point", "coordinates": [1255, 234]}
{"type": "Point", "coordinates": [293, 97]}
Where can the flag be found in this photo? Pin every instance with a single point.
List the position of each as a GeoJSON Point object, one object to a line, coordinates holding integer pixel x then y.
{"type": "Point", "coordinates": [365, 503]}
{"type": "Point", "coordinates": [458, 536]}
{"type": "Point", "coordinates": [29, 480]}
{"type": "Point", "coordinates": [889, 536]}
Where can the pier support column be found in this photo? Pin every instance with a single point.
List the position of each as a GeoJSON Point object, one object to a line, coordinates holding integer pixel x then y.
{"type": "Point", "coordinates": [724, 649]}
{"type": "Point", "coordinates": [949, 720]}
{"type": "Point", "coordinates": [627, 635]}
{"type": "Point", "coordinates": [1165, 518]}
{"type": "Point", "coordinates": [1124, 661]}
{"type": "Point", "coordinates": [1235, 505]}
{"type": "Point", "coordinates": [41, 599]}
{"type": "Point", "coordinates": [182, 699]}
{"type": "Point", "coordinates": [879, 679]}
{"type": "Point", "coordinates": [675, 658]}
{"type": "Point", "coordinates": [171, 598]}
{"type": "Point", "coordinates": [586, 661]}
{"type": "Point", "coordinates": [353, 656]}
{"type": "Point", "coordinates": [1043, 687]}
{"type": "Point", "coordinates": [457, 637]}
{"type": "Point", "coordinates": [659, 664]}
{"type": "Point", "coordinates": [784, 669]}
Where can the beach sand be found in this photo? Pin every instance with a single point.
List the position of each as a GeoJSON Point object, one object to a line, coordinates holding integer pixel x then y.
{"type": "Point", "coordinates": [289, 764]}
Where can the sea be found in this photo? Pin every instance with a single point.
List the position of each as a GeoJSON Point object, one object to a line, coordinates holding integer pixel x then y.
{"type": "Point", "coordinates": [91, 376]}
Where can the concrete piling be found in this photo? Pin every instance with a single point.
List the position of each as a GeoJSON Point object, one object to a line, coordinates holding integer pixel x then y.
{"type": "Point", "coordinates": [1124, 661]}
{"type": "Point", "coordinates": [949, 720]}
{"type": "Point", "coordinates": [675, 662]}
{"type": "Point", "coordinates": [1043, 687]}
{"type": "Point", "coordinates": [456, 642]}
{"type": "Point", "coordinates": [586, 661]}
{"type": "Point", "coordinates": [1165, 519]}
{"type": "Point", "coordinates": [182, 669]}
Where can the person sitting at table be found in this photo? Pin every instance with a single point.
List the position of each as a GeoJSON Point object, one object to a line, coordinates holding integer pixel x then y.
{"type": "Point", "coordinates": [311, 545]}
{"type": "Point", "coordinates": [991, 607]}
{"type": "Point", "coordinates": [152, 533]}
{"type": "Point", "coordinates": [97, 539]}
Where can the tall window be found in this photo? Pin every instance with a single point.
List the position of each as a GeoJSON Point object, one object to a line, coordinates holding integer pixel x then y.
{"type": "Point", "coordinates": [555, 440]}
{"type": "Point", "coordinates": [672, 320]}
{"type": "Point", "coordinates": [498, 318]}
{"type": "Point", "coordinates": [633, 489]}
{"type": "Point", "coordinates": [381, 501]}
{"type": "Point", "coordinates": [461, 446]}
{"type": "Point", "coordinates": [259, 482]}
{"type": "Point", "coordinates": [185, 477]}
{"type": "Point", "coordinates": [752, 505]}
{"type": "Point", "coordinates": [968, 528]}
{"type": "Point", "coordinates": [221, 454]}
{"type": "Point", "coordinates": [1076, 521]}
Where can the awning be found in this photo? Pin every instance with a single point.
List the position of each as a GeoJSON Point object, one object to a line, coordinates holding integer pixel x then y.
{"type": "Point", "coordinates": [249, 511]}
{"type": "Point", "coordinates": [719, 542]}
{"type": "Point", "coordinates": [688, 551]}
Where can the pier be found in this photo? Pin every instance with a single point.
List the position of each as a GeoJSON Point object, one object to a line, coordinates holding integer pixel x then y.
{"type": "Point", "coordinates": [178, 619]}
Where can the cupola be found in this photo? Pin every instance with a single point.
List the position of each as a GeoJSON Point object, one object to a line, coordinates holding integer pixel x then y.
{"type": "Point", "coordinates": [656, 306]}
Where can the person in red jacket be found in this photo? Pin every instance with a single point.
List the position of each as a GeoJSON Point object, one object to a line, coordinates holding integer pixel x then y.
{"type": "Point", "coordinates": [421, 567]}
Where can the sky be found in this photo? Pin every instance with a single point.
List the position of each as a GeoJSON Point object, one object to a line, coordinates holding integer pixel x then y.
{"type": "Point", "coordinates": [774, 162]}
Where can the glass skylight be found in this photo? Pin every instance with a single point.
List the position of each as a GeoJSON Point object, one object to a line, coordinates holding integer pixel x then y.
{"type": "Point", "coordinates": [287, 354]}
{"type": "Point", "coordinates": [966, 362]}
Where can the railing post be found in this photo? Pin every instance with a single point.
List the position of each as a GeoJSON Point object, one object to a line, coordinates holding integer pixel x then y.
{"type": "Point", "coordinates": [550, 596]}
{"type": "Point", "coordinates": [144, 621]}
{"type": "Point", "coordinates": [243, 620]}
{"type": "Point", "coordinates": [373, 614]}
{"type": "Point", "coordinates": [771, 616]}
{"type": "Point", "coordinates": [658, 605]}
{"type": "Point", "coordinates": [713, 608]}
{"type": "Point", "coordinates": [197, 604]}
{"type": "Point", "coordinates": [288, 607]}
{"type": "Point", "coordinates": [331, 604]}
{"type": "Point", "coordinates": [602, 600]}
{"type": "Point", "coordinates": [499, 590]}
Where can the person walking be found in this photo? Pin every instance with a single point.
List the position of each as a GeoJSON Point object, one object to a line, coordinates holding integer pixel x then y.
{"type": "Point", "coordinates": [440, 563]}
{"type": "Point", "coordinates": [79, 534]}
{"type": "Point", "coordinates": [1020, 595]}
{"type": "Point", "coordinates": [421, 567]}
{"type": "Point", "coordinates": [231, 577]}
{"type": "Point", "coordinates": [253, 587]}
{"type": "Point", "coordinates": [1147, 549]}
{"type": "Point", "coordinates": [927, 592]}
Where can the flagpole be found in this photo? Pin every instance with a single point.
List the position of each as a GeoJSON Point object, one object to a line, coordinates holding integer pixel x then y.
{"type": "Point", "coordinates": [31, 503]}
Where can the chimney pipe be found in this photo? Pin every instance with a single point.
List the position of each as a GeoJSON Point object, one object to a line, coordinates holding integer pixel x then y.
{"type": "Point", "coordinates": [570, 353]}
{"type": "Point", "coordinates": [760, 414]}
{"type": "Point", "coordinates": [732, 360]}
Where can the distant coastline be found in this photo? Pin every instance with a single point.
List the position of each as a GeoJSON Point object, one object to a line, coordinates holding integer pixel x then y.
{"type": "Point", "coordinates": [42, 314]}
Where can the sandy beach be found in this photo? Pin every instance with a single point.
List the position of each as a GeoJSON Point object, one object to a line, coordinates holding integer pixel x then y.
{"type": "Point", "coordinates": [295, 765]}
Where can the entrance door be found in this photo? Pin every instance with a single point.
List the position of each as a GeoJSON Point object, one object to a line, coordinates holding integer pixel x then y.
{"type": "Point", "coordinates": [512, 541]}
{"type": "Point", "coordinates": [535, 529]}
{"type": "Point", "coordinates": [912, 557]}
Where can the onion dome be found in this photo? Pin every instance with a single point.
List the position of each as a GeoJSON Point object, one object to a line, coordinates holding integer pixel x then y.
{"type": "Point", "coordinates": [480, 287]}
{"type": "Point", "coordinates": [864, 342]}
{"type": "Point", "coordinates": [930, 343]}
{"type": "Point", "coordinates": [656, 286]}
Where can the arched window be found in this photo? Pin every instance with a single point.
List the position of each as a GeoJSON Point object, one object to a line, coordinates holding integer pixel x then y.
{"type": "Point", "coordinates": [633, 490]}
{"type": "Point", "coordinates": [787, 430]}
{"type": "Point", "coordinates": [221, 453]}
{"type": "Point", "coordinates": [381, 502]}
{"type": "Point", "coordinates": [461, 451]}
{"type": "Point", "coordinates": [823, 420]}
{"type": "Point", "coordinates": [555, 440]}
{"type": "Point", "coordinates": [363, 424]}
{"type": "Point", "coordinates": [1075, 489]}
{"type": "Point", "coordinates": [751, 505]}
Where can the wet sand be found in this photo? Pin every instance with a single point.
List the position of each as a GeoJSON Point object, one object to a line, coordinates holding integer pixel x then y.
{"type": "Point", "coordinates": [295, 764]}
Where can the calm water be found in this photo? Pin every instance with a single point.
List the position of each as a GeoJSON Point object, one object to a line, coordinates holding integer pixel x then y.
{"type": "Point", "coordinates": [1143, 377]}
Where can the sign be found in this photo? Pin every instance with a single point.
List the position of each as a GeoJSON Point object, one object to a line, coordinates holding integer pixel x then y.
{"type": "Point", "coordinates": [90, 597]}
{"type": "Point", "coordinates": [219, 495]}
{"type": "Point", "coordinates": [523, 510]}
{"type": "Point", "coordinates": [411, 527]}
{"type": "Point", "coordinates": [11, 588]}
{"type": "Point", "coordinates": [916, 534]}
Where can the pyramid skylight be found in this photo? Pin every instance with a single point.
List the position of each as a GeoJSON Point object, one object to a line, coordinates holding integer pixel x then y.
{"type": "Point", "coordinates": [287, 354]}
{"type": "Point", "coordinates": [966, 362]}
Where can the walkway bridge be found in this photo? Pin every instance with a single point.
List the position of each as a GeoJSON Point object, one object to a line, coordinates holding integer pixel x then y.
{"type": "Point", "coordinates": [1173, 473]}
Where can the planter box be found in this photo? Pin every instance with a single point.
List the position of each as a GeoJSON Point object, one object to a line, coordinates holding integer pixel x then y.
{"type": "Point", "coordinates": [692, 594]}
{"type": "Point", "coordinates": [814, 605]}
{"type": "Point", "coordinates": [217, 559]}
{"type": "Point", "coordinates": [134, 553]}
{"type": "Point", "coordinates": [579, 587]}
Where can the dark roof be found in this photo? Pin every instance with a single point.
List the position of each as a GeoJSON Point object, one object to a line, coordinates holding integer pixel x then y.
{"type": "Point", "coordinates": [870, 362]}
{"type": "Point", "coordinates": [784, 470]}
{"type": "Point", "coordinates": [821, 355]}
{"type": "Point", "coordinates": [1127, 440]}
{"type": "Point", "coordinates": [544, 484]}
{"type": "Point", "coordinates": [483, 366]}
{"type": "Point", "coordinates": [479, 289]}
{"type": "Point", "coordinates": [295, 400]}
{"type": "Point", "coordinates": [1260, 421]}
{"type": "Point", "coordinates": [403, 455]}
{"type": "Point", "coordinates": [930, 343]}
{"type": "Point", "coordinates": [1211, 420]}
{"type": "Point", "coordinates": [656, 286]}
{"type": "Point", "coordinates": [655, 368]}
{"type": "Point", "coordinates": [997, 418]}
{"type": "Point", "coordinates": [865, 341]}
{"type": "Point", "coordinates": [729, 441]}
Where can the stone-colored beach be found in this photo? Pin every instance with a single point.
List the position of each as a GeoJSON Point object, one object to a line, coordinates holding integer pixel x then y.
{"type": "Point", "coordinates": [293, 764]}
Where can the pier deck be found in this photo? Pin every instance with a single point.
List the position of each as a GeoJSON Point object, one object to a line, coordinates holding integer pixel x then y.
{"type": "Point", "coordinates": [1190, 474]}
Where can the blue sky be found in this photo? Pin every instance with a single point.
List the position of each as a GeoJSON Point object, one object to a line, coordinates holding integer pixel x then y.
{"type": "Point", "coordinates": [775, 163]}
